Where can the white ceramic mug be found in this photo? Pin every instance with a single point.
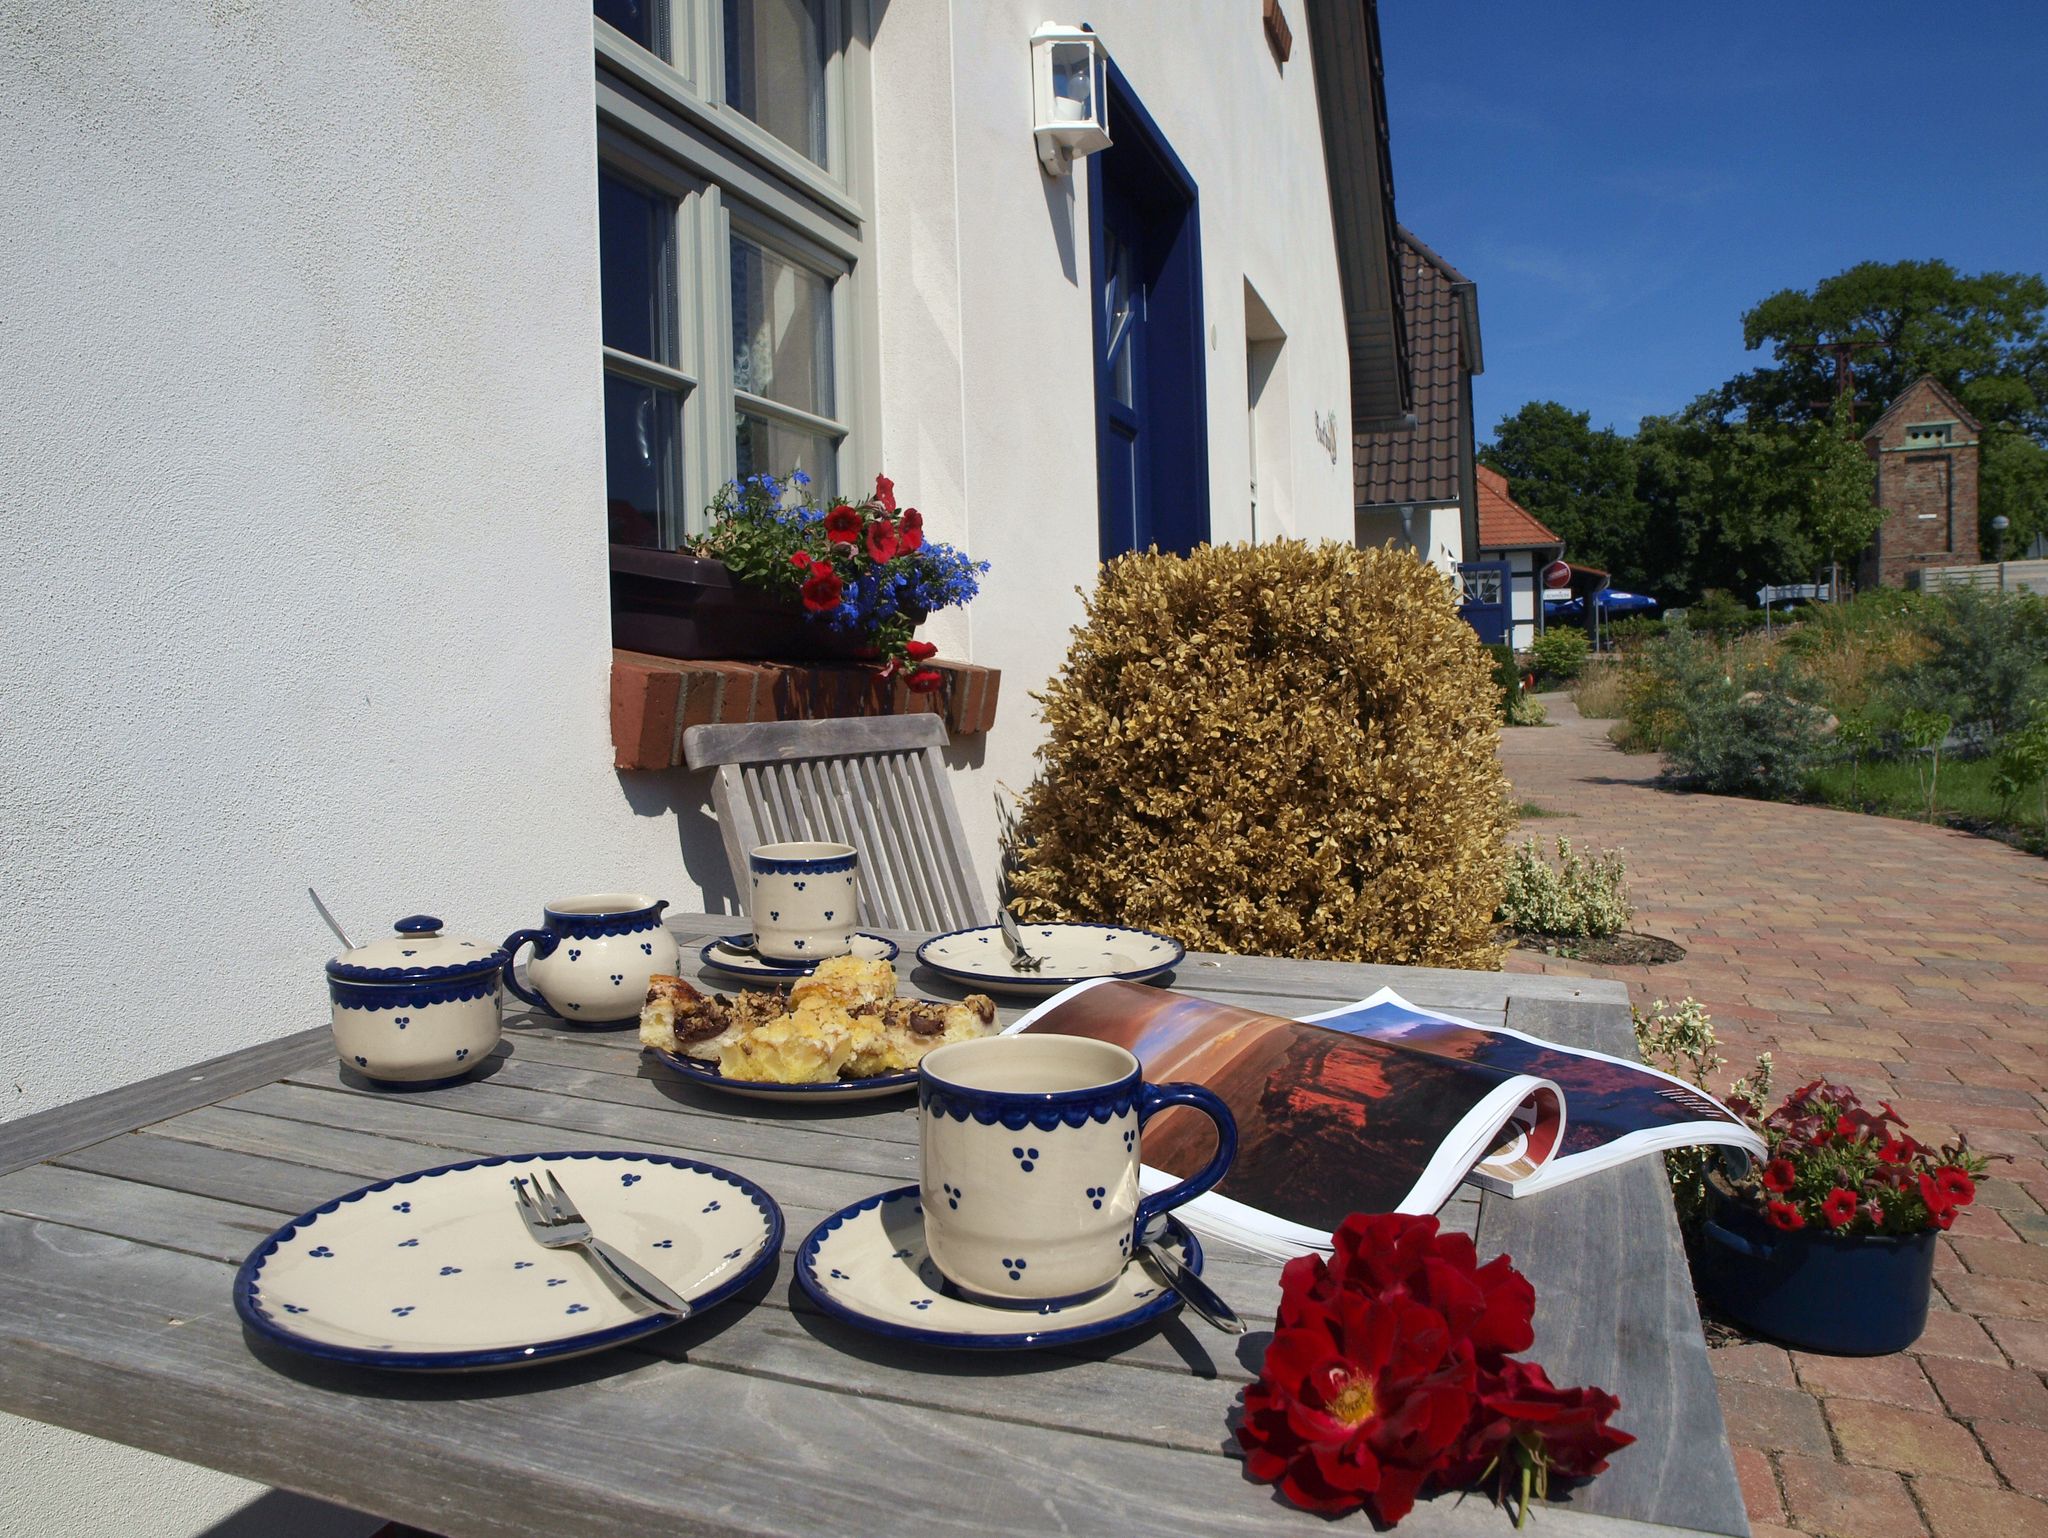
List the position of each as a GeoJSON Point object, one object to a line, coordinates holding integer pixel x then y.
{"type": "Point", "coordinates": [1030, 1173]}
{"type": "Point", "coordinates": [804, 899]}
{"type": "Point", "coordinates": [593, 956]}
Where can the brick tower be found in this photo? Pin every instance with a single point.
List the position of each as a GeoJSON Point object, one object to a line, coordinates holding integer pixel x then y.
{"type": "Point", "coordinates": [1925, 451]}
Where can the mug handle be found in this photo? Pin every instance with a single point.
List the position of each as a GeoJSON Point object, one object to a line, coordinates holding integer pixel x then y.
{"type": "Point", "coordinates": [1154, 1098]}
{"type": "Point", "coordinates": [544, 943]}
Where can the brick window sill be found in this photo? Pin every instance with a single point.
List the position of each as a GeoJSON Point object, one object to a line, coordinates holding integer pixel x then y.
{"type": "Point", "coordinates": [655, 698]}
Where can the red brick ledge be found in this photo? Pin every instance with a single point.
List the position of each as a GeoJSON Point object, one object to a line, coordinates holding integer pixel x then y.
{"type": "Point", "coordinates": [655, 698]}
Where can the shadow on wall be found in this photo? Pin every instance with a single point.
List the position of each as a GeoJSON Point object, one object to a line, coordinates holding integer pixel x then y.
{"type": "Point", "coordinates": [1059, 208]}
{"type": "Point", "coordinates": [685, 794]}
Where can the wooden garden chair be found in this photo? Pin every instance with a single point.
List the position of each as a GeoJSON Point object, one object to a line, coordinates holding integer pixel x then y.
{"type": "Point", "coordinates": [875, 782]}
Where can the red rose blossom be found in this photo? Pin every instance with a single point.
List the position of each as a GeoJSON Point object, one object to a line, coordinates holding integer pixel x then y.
{"type": "Point", "coordinates": [885, 493]}
{"type": "Point", "coordinates": [1956, 1185]}
{"type": "Point", "coordinates": [1784, 1215]}
{"type": "Point", "coordinates": [924, 681]}
{"type": "Point", "coordinates": [821, 591]}
{"type": "Point", "coordinates": [1524, 1423]}
{"type": "Point", "coordinates": [882, 541]}
{"type": "Point", "coordinates": [842, 525]}
{"type": "Point", "coordinates": [1839, 1207]}
{"type": "Point", "coordinates": [1779, 1176]}
{"type": "Point", "coordinates": [911, 531]}
{"type": "Point", "coordinates": [918, 651]}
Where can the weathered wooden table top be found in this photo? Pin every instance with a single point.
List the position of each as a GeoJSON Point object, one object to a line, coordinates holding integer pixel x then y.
{"type": "Point", "coordinates": [123, 1217]}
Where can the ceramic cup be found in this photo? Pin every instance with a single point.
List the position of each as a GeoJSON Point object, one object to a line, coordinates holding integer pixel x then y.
{"type": "Point", "coordinates": [592, 956]}
{"type": "Point", "coordinates": [803, 899]}
{"type": "Point", "coordinates": [1030, 1176]}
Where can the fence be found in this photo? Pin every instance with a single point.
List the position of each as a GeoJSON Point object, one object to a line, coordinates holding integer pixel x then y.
{"type": "Point", "coordinates": [2000, 577]}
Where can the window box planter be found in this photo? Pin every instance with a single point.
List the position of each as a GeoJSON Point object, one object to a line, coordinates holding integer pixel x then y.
{"type": "Point", "coordinates": [674, 605]}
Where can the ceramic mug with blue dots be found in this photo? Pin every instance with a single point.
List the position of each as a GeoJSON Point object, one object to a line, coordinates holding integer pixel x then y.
{"type": "Point", "coordinates": [804, 899]}
{"type": "Point", "coordinates": [1031, 1149]}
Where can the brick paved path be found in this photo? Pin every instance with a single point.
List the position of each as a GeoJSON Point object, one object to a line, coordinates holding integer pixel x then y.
{"type": "Point", "coordinates": [1912, 963]}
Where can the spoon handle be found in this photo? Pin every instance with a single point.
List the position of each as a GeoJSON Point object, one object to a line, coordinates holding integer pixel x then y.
{"type": "Point", "coordinates": [1196, 1293]}
{"type": "Point", "coordinates": [346, 943]}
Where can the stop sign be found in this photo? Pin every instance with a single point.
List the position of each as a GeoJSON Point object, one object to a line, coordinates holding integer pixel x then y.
{"type": "Point", "coordinates": [1557, 574]}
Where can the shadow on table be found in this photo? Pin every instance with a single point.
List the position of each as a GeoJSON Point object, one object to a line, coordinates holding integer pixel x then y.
{"type": "Point", "coordinates": [282, 1511]}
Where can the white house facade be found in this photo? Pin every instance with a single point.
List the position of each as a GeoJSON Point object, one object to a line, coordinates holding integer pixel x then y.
{"type": "Point", "coordinates": [339, 340]}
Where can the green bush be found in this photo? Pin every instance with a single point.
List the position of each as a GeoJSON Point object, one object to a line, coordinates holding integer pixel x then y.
{"type": "Point", "coordinates": [1633, 630]}
{"type": "Point", "coordinates": [1277, 750]}
{"type": "Point", "coordinates": [1574, 899]}
{"type": "Point", "coordinates": [1988, 664]}
{"type": "Point", "coordinates": [1719, 613]}
{"type": "Point", "coordinates": [1561, 653]}
{"type": "Point", "coordinates": [1729, 720]}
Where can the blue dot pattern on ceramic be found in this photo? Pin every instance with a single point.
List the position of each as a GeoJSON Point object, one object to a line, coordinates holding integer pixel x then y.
{"type": "Point", "coordinates": [575, 955]}
{"type": "Point", "coordinates": [401, 1206]}
{"type": "Point", "coordinates": [799, 886]}
{"type": "Point", "coordinates": [1024, 1158]}
{"type": "Point", "coordinates": [403, 1310]}
{"type": "Point", "coordinates": [451, 1270]}
{"type": "Point", "coordinates": [649, 949]}
{"type": "Point", "coordinates": [558, 1281]}
{"type": "Point", "coordinates": [293, 1308]}
{"type": "Point", "coordinates": [617, 978]}
{"type": "Point", "coordinates": [734, 1254]}
{"type": "Point", "coordinates": [522, 1265]}
{"type": "Point", "coordinates": [711, 1206]}
{"type": "Point", "coordinates": [800, 944]}
{"type": "Point", "coordinates": [828, 915]}
{"type": "Point", "coordinates": [1130, 1138]}
{"type": "Point", "coordinates": [953, 1195]}
{"type": "Point", "coordinates": [629, 1180]}
{"type": "Point", "coordinates": [1095, 1195]}
{"type": "Point", "coordinates": [321, 1252]}
{"type": "Point", "coordinates": [1015, 1268]}
{"type": "Point", "coordinates": [775, 915]}
{"type": "Point", "coordinates": [406, 1244]}
{"type": "Point", "coordinates": [664, 1244]}
{"type": "Point", "coordinates": [921, 1303]}
{"type": "Point", "coordinates": [899, 1254]}
{"type": "Point", "coordinates": [461, 1054]}
{"type": "Point", "coordinates": [401, 1021]}
{"type": "Point", "coordinates": [362, 1062]}
{"type": "Point", "coordinates": [839, 1275]}
{"type": "Point", "coordinates": [577, 1308]}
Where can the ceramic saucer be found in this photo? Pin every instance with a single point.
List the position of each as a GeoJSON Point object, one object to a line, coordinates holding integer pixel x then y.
{"type": "Point", "coordinates": [1073, 953]}
{"type": "Point", "coordinates": [435, 1271]}
{"type": "Point", "coordinates": [867, 1264]}
{"type": "Point", "coordinates": [834, 1091]}
{"type": "Point", "coordinates": [744, 964]}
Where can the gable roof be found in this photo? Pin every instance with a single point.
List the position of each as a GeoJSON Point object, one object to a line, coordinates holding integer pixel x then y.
{"type": "Point", "coordinates": [1504, 524]}
{"type": "Point", "coordinates": [1926, 384]}
{"type": "Point", "coordinates": [1425, 462]}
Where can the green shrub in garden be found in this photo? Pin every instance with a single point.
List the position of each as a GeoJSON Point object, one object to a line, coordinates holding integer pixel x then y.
{"type": "Point", "coordinates": [1575, 899]}
{"type": "Point", "coordinates": [2022, 766]}
{"type": "Point", "coordinates": [1561, 653]}
{"type": "Point", "coordinates": [1718, 613]}
{"type": "Point", "coordinates": [1728, 720]}
{"type": "Point", "coordinates": [1987, 660]}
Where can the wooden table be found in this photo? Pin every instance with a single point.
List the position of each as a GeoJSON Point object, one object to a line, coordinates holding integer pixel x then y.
{"type": "Point", "coordinates": [122, 1219]}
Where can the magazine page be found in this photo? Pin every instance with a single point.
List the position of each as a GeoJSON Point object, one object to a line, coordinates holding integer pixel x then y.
{"type": "Point", "coordinates": [1329, 1123]}
{"type": "Point", "coordinates": [1619, 1108]}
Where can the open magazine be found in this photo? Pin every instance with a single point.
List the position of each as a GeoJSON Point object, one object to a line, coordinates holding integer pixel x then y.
{"type": "Point", "coordinates": [1380, 1106]}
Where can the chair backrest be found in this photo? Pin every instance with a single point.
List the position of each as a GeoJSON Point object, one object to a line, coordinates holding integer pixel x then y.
{"type": "Point", "coordinates": [875, 782]}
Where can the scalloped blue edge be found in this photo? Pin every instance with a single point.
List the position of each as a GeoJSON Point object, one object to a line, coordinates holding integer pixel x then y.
{"type": "Point", "coordinates": [807, 1278]}
{"type": "Point", "coordinates": [772, 969]}
{"type": "Point", "coordinates": [248, 1277]}
{"type": "Point", "coordinates": [1139, 974]}
{"type": "Point", "coordinates": [1016, 1109]}
{"type": "Point", "coordinates": [698, 1073]}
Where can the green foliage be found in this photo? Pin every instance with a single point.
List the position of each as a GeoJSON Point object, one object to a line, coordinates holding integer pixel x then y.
{"type": "Point", "coordinates": [1988, 660]}
{"type": "Point", "coordinates": [1729, 721]}
{"type": "Point", "coordinates": [1680, 1039]}
{"type": "Point", "coordinates": [1925, 732]}
{"type": "Point", "coordinates": [1560, 653]}
{"type": "Point", "coordinates": [2022, 766]}
{"type": "Point", "coordinates": [1633, 630]}
{"type": "Point", "coordinates": [2012, 483]}
{"type": "Point", "coordinates": [1579, 481]}
{"type": "Point", "coordinates": [1575, 899]}
{"type": "Point", "coordinates": [1972, 796]}
{"type": "Point", "coordinates": [1720, 613]}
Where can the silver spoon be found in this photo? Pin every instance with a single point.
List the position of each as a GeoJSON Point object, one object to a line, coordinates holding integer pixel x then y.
{"type": "Point", "coordinates": [346, 943]}
{"type": "Point", "coordinates": [1196, 1293]}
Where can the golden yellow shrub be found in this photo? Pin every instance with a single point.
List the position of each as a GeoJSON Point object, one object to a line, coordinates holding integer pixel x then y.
{"type": "Point", "coordinates": [1275, 750]}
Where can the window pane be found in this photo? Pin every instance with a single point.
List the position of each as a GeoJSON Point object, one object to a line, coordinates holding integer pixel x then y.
{"type": "Point", "coordinates": [770, 446]}
{"type": "Point", "coordinates": [781, 330]}
{"type": "Point", "coordinates": [775, 69]}
{"type": "Point", "coordinates": [635, 18]}
{"type": "Point", "coordinates": [633, 237]}
{"type": "Point", "coordinates": [642, 466]}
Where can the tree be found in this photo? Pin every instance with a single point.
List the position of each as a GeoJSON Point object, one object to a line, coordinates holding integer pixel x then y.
{"type": "Point", "coordinates": [1579, 481]}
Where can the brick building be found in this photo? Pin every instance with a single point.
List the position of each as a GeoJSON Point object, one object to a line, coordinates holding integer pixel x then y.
{"type": "Point", "coordinates": [1925, 451]}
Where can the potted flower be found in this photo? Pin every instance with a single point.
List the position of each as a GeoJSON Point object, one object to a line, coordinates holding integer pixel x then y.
{"type": "Point", "coordinates": [1829, 1244]}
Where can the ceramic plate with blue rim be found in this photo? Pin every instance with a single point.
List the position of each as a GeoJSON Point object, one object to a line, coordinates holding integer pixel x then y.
{"type": "Point", "coordinates": [833, 1091]}
{"type": "Point", "coordinates": [868, 1264]}
{"type": "Point", "coordinates": [436, 1272]}
{"type": "Point", "coordinates": [743, 963]}
{"type": "Point", "coordinates": [1073, 953]}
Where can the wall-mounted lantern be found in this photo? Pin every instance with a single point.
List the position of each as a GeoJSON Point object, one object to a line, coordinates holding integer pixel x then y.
{"type": "Point", "coordinates": [1069, 95]}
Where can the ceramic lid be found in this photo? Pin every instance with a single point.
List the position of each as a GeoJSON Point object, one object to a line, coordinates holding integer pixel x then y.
{"type": "Point", "coordinates": [418, 951]}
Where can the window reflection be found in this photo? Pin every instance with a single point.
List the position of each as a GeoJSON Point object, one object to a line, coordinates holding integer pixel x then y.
{"type": "Point", "coordinates": [775, 69]}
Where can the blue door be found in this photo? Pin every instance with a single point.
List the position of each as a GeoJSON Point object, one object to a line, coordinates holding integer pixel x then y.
{"type": "Point", "coordinates": [1151, 410]}
{"type": "Point", "coordinates": [1484, 593]}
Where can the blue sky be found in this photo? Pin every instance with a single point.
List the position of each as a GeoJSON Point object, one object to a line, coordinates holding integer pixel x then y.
{"type": "Point", "coordinates": [1624, 180]}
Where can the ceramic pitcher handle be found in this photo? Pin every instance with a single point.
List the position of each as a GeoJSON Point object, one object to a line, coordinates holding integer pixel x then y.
{"type": "Point", "coordinates": [1154, 1098]}
{"type": "Point", "coordinates": [544, 943]}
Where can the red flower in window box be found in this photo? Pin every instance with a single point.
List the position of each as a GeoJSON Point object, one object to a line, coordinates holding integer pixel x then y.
{"type": "Point", "coordinates": [881, 541]}
{"type": "Point", "coordinates": [919, 651]}
{"type": "Point", "coordinates": [1839, 1207]}
{"type": "Point", "coordinates": [822, 592]}
{"type": "Point", "coordinates": [924, 681]}
{"type": "Point", "coordinates": [910, 532]}
{"type": "Point", "coordinates": [1779, 1176]}
{"type": "Point", "coordinates": [801, 560]}
{"type": "Point", "coordinates": [842, 525]}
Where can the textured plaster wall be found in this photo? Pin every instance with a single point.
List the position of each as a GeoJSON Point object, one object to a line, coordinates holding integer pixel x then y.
{"type": "Point", "coordinates": [299, 452]}
{"type": "Point", "coordinates": [985, 299]}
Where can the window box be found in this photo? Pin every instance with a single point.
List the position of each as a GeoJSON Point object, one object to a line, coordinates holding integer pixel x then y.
{"type": "Point", "coordinates": [675, 605]}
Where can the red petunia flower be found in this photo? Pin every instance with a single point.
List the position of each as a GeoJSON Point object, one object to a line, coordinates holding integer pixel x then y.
{"type": "Point", "coordinates": [1784, 1215]}
{"type": "Point", "coordinates": [801, 560]}
{"type": "Point", "coordinates": [1526, 1425]}
{"type": "Point", "coordinates": [1898, 1150]}
{"type": "Point", "coordinates": [1359, 1400]}
{"type": "Point", "coordinates": [911, 532]}
{"type": "Point", "coordinates": [1955, 1184]}
{"type": "Point", "coordinates": [1938, 1200]}
{"type": "Point", "coordinates": [918, 651]}
{"type": "Point", "coordinates": [1875, 1212]}
{"type": "Point", "coordinates": [885, 493]}
{"type": "Point", "coordinates": [924, 681]}
{"type": "Point", "coordinates": [1779, 1175]}
{"type": "Point", "coordinates": [1839, 1207]}
{"type": "Point", "coordinates": [842, 525]}
{"type": "Point", "coordinates": [1845, 1126]}
{"type": "Point", "coordinates": [882, 541]}
{"type": "Point", "coordinates": [821, 591]}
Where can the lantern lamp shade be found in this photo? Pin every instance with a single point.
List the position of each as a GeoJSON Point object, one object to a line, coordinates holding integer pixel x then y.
{"type": "Point", "coordinates": [1069, 95]}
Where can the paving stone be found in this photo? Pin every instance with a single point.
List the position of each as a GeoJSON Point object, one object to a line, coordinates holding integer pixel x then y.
{"type": "Point", "coordinates": [2021, 1454]}
{"type": "Point", "coordinates": [2008, 1257]}
{"type": "Point", "coordinates": [1951, 1334]}
{"type": "Point", "coordinates": [1760, 1416]}
{"type": "Point", "coordinates": [1984, 1391]}
{"type": "Point", "coordinates": [2007, 1296]}
{"type": "Point", "coordinates": [1895, 1380]}
{"type": "Point", "coordinates": [1759, 1486]}
{"type": "Point", "coordinates": [1754, 1362]}
{"type": "Point", "coordinates": [1824, 1496]}
{"type": "Point", "coordinates": [1910, 1441]}
{"type": "Point", "coordinates": [1957, 1510]}
{"type": "Point", "coordinates": [2024, 1340]}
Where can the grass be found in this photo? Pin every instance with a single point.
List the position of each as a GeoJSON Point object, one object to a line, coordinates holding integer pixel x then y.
{"type": "Point", "coordinates": [1890, 788]}
{"type": "Point", "coordinates": [1529, 810]}
{"type": "Point", "coordinates": [1602, 694]}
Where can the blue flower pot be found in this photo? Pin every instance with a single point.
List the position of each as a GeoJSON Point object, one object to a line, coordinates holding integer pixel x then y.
{"type": "Point", "coordinates": [1861, 1296]}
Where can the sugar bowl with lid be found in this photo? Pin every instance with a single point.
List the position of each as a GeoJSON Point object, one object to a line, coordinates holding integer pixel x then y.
{"type": "Point", "coordinates": [417, 1007]}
